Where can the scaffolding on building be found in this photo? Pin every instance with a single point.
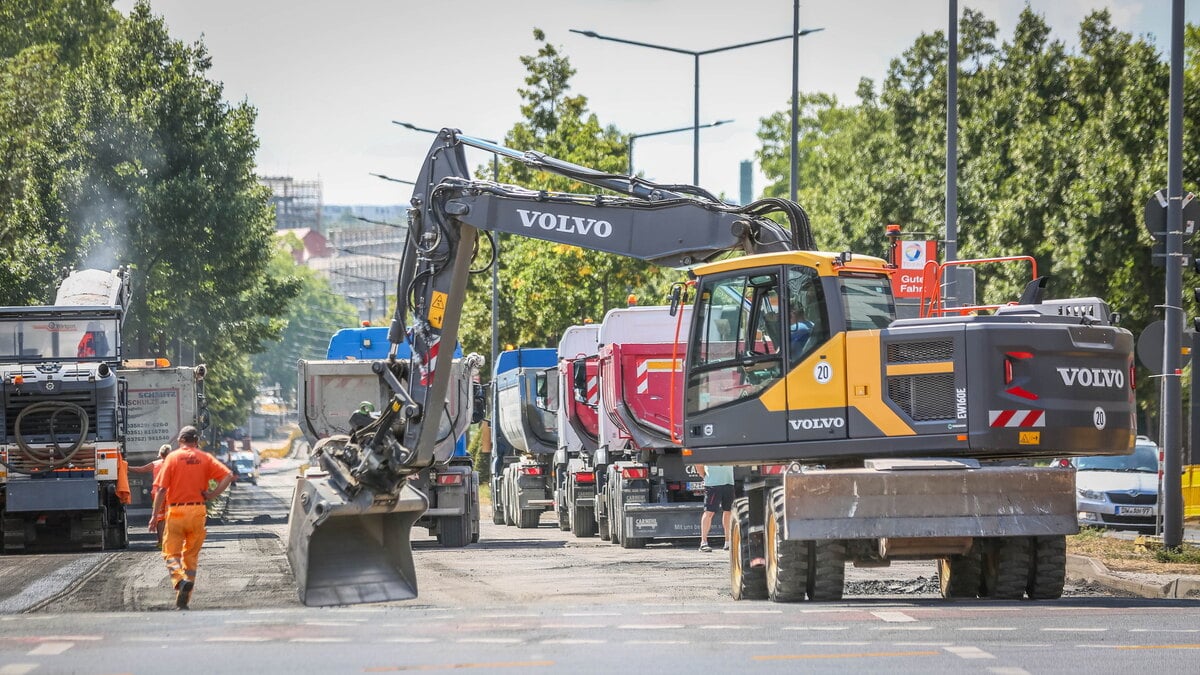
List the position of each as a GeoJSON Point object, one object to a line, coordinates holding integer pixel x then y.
{"type": "Point", "coordinates": [297, 202]}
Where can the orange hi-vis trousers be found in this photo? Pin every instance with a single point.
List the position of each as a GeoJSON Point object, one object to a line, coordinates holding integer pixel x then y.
{"type": "Point", "coordinates": [181, 545]}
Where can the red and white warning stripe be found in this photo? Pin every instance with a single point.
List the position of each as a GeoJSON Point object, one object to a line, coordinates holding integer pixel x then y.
{"type": "Point", "coordinates": [593, 390]}
{"type": "Point", "coordinates": [428, 368]}
{"type": "Point", "coordinates": [653, 366]}
{"type": "Point", "coordinates": [1017, 418]}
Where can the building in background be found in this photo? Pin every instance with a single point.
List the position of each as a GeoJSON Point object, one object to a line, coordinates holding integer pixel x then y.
{"type": "Point", "coordinates": [297, 202]}
{"type": "Point", "coordinates": [363, 263]}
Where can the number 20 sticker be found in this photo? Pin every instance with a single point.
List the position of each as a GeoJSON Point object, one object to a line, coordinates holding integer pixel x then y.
{"type": "Point", "coordinates": [823, 372]}
{"type": "Point", "coordinates": [1099, 418]}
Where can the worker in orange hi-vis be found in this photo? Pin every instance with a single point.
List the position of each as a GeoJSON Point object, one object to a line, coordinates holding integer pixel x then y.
{"type": "Point", "coordinates": [183, 488]}
{"type": "Point", "coordinates": [153, 468]}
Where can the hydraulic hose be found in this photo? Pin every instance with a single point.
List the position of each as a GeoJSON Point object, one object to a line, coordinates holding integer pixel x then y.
{"type": "Point", "coordinates": [55, 456]}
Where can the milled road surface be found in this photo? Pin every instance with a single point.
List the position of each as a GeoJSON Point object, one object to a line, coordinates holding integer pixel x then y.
{"type": "Point", "coordinates": [243, 566]}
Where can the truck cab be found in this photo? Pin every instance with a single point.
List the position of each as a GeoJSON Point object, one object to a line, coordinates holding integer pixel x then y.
{"type": "Point", "coordinates": [578, 375]}
{"type": "Point", "coordinates": [525, 428]}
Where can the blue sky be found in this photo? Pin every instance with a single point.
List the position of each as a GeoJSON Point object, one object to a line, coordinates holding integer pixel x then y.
{"type": "Point", "coordinates": [328, 77]}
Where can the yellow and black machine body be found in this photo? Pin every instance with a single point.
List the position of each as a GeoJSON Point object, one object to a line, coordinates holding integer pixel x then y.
{"type": "Point", "coordinates": [903, 439]}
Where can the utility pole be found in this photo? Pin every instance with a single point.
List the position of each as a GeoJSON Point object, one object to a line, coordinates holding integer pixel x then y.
{"type": "Point", "coordinates": [1172, 395]}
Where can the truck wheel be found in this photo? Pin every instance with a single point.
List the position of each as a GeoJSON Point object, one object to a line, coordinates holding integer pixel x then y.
{"type": "Point", "coordinates": [747, 583]}
{"type": "Point", "coordinates": [1049, 573]}
{"type": "Point", "coordinates": [498, 514]}
{"type": "Point", "coordinates": [583, 522]}
{"type": "Point", "coordinates": [633, 542]}
{"type": "Point", "coordinates": [960, 576]}
{"type": "Point", "coordinates": [14, 535]}
{"type": "Point", "coordinates": [603, 530]}
{"type": "Point", "coordinates": [787, 560]}
{"type": "Point", "coordinates": [454, 531]}
{"type": "Point", "coordinates": [509, 517]}
{"type": "Point", "coordinates": [1006, 569]}
{"type": "Point", "coordinates": [827, 571]}
{"type": "Point", "coordinates": [529, 518]}
{"type": "Point", "coordinates": [564, 517]}
{"type": "Point", "coordinates": [615, 523]}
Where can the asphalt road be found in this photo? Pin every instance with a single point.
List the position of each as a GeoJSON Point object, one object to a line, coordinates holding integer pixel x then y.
{"type": "Point", "coordinates": [541, 600]}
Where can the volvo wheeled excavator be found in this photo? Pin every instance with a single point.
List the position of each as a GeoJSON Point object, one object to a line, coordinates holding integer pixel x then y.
{"type": "Point", "coordinates": [891, 431]}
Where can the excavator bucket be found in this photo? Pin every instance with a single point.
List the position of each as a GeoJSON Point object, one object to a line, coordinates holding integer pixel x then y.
{"type": "Point", "coordinates": [346, 551]}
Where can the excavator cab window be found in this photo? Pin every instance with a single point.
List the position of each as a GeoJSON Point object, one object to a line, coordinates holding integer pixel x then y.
{"type": "Point", "coordinates": [808, 320]}
{"type": "Point", "coordinates": [736, 339]}
{"type": "Point", "coordinates": [867, 301]}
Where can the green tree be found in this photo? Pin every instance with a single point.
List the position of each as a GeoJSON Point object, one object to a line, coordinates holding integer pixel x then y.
{"type": "Point", "coordinates": [546, 287]}
{"type": "Point", "coordinates": [119, 150]}
{"type": "Point", "coordinates": [312, 318]}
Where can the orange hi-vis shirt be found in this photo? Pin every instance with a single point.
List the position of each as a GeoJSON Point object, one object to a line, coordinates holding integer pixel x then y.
{"type": "Point", "coordinates": [185, 474]}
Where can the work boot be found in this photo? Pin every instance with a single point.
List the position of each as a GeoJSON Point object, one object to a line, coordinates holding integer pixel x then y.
{"type": "Point", "coordinates": [183, 594]}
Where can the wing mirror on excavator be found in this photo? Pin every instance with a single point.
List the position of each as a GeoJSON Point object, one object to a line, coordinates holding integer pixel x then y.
{"type": "Point", "coordinates": [677, 295]}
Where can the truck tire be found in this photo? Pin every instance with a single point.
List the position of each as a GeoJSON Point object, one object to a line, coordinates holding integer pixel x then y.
{"type": "Point", "coordinates": [1049, 573]}
{"type": "Point", "coordinates": [510, 518]}
{"type": "Point", "coordinates": [583, 521]}
{"type": "Point", "coordinates": [603, 529]}
{"type": "Point", "coordinates": [564, 516]}
{"type": "Point", "coordinates": [454, 531]}
{"type": "Point", "coordinates": [498, 513]}
{"type": "Point", "coordinates": [746, 582]}
{"type": "Point", "coordinates": [1006, 569]}
{"type": "Point", "coordinates": [528, 518]}
{"type": "Point", "coordinates": [787, 560]}
{"type": "Point", "coordinates": [960, 576]}
{"type": "Point", "coordinates": [632, 542]}
{"type": "Point", "coordinates": [826, 570]}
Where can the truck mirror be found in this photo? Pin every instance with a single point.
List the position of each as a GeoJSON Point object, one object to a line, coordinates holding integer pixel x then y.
{"type": "Point", "coordinates": [478, 403]}
{"type": "Point", "coordinates": [539, 388]}
{"type": "Point", "coordinates": [579, 380]}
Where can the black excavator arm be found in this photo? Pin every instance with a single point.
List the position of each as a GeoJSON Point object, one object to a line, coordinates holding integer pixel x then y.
{"type": "Point", "coordinates": [673, 226]}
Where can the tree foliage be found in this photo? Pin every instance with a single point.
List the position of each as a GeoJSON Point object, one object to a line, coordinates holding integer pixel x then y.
{"type": "Point", "coordinates": [1058, 152]}
{"type": "Point", "coordinates": [547, 287]}
{"type": "Point", "coordinates": [118, 150]}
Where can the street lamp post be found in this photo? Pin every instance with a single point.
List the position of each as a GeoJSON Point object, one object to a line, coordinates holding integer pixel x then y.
{"type": "Point", "coordinates": [634, 137]}
{"type": "Point", "coordinates": [495, 244]}
{"type": "Point", "coordinates": [695, 54]}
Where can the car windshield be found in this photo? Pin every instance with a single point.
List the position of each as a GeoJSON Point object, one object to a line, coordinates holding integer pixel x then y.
{"type": "Point", "coordinates": [1143, 460]}
{"type": "Point", "coordinates": [244, 464]}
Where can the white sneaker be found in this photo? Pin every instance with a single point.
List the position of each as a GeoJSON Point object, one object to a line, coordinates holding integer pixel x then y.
{"type": "Point", "coordinates": [705, 548]}
{"type": "Point", "coordinates": [726, 546]}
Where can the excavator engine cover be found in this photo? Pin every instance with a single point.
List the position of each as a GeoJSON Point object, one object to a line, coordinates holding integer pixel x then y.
{"type": "Point", "coordinates": [347, 550]}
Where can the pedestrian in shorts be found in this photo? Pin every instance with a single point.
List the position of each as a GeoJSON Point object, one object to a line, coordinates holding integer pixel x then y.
{"type": "Point", "coordinates": [718, 496]}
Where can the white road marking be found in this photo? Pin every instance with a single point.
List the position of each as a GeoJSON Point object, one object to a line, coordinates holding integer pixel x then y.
{"type": "Point", "coordinates": [489, 641]}
{"type": "Point", "coordinates": [50, 648]}
{"type": "Point", "coordinates": [893, 617]}
{"type": "Point", "coordinates": [638, 626]}
{"type": "Point", "coordinates": [406, 640]}
{"type": "Point", "coordinates": [236, 638]}
{"type": "Point", "coordinates": [1074, 630]}
{"type": "Point", "coordinates": [989, 629]}
{"type": "Point", "coordinates": [1164, 630]}
{"type": "Point", "coordinates": [319, 639]}
{"type": "Point", "coordinates": [575, 641]}
{"type": "Point", "coordinates": [969, 652]}
{"type": "Point", "coordinates": [18, 668]}
{"type": "Point", "coordinates": [1001, 670]}
{"type": "Point", "coordinates": [814, 628]}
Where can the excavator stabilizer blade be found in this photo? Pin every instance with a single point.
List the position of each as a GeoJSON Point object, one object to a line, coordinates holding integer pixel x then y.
{"type": "Point", "coordinates": [347, 551]}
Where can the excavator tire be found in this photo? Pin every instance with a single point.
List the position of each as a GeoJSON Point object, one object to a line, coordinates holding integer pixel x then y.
{"type": "Point", "coordinates": [746, 582]}
{"type": "Point", "coordinates": [826, 570]}
{"type": "Point", "coordinates": [960, 576]}
{"type": "Point", "coordinates": [1049, 572]}
{"type": "Point", "coordinates": [787, 570]}
{"type": "Point", "coordinates": [583, 522]}
{"type": "Point", "coordinates": [1006, 569]}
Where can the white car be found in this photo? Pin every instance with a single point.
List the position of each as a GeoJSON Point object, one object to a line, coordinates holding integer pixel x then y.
{"type": "Point", "coordinates": [1121, 491]}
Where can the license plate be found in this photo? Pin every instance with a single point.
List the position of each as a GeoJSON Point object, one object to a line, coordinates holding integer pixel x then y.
{"type": "Point", "coordinates": [1135, 510]}
{"type": "Point", "coordinates": [696, 487]}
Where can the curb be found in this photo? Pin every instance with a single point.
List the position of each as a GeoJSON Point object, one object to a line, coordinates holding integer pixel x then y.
{"type": "Point", "coordinates": [1083, 568]}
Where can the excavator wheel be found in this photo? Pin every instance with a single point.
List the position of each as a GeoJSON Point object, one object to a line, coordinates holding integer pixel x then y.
{"type": "Point", "coordinates": [1006, 568]}
{"type": "Point", "coordinates": [747, 583]}
{"type": "Point", "coordinates": [826, 570]}
{"type": "Point", "coordinates": [787, 571]}
{"type": "Point", "coordinates": [960, 576]}
{"type": "Point", "coordinates": [1049, 571]}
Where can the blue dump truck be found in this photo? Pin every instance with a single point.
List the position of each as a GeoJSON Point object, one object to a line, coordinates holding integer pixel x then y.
{"type": "Point", "coordinates": [524, 435]}
{"type": "Point", "coordinates": [343, 393]}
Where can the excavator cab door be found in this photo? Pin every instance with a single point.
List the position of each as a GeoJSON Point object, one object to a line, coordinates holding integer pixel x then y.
{"type": "Point", "coordinates": [736, 354]}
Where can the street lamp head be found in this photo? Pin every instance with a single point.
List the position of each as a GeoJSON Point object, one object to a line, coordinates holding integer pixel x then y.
{"type": "Point", "coordinates": [720, 122]}
{"type": "Point", "coordinates": [588, 33]}
{"type": "Point", "coordinates": [809, 31]}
